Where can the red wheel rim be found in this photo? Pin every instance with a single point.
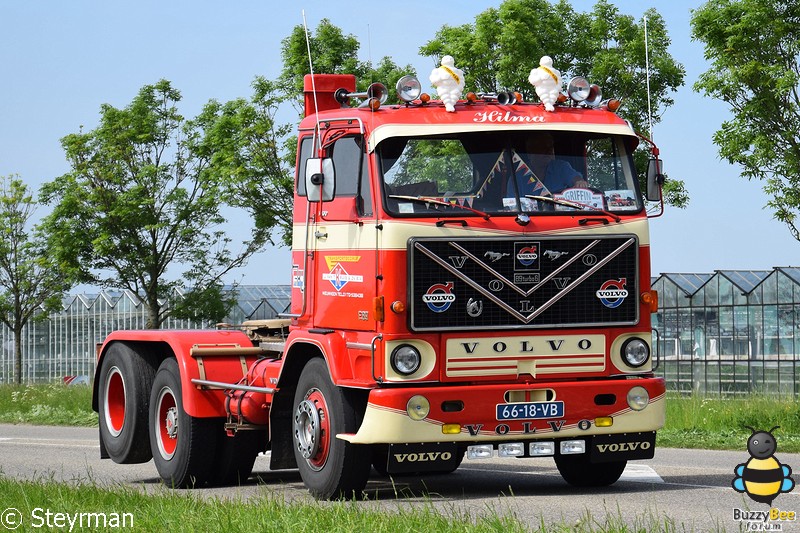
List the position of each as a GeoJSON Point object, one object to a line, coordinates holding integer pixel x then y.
{"type": "Point", "coordinates": [167, 423]}
{"type": "Point", "coordinates": [312, 432]}
{"type": "Point", "coordinates": [114, 401]}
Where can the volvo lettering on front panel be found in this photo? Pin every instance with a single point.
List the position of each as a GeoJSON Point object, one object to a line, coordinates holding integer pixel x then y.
{"type": "Point", "coordinates": [509, 283]}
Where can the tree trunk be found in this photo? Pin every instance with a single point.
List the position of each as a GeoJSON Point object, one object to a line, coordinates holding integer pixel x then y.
{"type": "Point", "coordinates": [18, 356]}
{"type": "Point", "coordinates": [153, 309]}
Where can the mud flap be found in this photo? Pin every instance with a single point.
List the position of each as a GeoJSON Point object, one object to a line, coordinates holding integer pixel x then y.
{"type": "Point", "coordinates": [623, 447]}
{"type": "Point", "coordinates": [422, 457]}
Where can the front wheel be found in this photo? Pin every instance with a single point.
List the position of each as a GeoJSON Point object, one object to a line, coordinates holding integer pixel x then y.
{"type": "Point", "coordinates": [330, 467]}
{"type": "Point", "coordinates": [182, 445]}
{"type": "Point", "coordinates": [578, 471]}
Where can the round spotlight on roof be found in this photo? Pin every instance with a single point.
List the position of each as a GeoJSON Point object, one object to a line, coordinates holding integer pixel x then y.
{"type": "Point", "coordinates": [408, 88]}
{"type": "Point", "coordinates": [578, 89]}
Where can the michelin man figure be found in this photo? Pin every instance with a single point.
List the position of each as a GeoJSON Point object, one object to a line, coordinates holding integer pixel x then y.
{"type": "Point", "coordinates": [547, 82]}
{"type": "Point", "coordinates": [449, 83]}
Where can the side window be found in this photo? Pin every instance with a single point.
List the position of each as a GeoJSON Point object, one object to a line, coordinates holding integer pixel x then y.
{"type": "Point", "coordinates": [350, 166]}
{"type": "Point", "coordinates": [303, 155]}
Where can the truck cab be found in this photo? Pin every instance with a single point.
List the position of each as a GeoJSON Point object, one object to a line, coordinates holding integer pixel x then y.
{"type": "Point", "coordinates": [465, 283]}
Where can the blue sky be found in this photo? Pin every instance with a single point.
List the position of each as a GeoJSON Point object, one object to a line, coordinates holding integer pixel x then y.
{"type": "Point", "coordinates": [61, 60]}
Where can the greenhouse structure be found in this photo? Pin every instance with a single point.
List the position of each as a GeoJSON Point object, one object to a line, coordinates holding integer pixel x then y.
{"type": "Point", "coordinates": [731, 332]}
{"type": "Point", "coordinates": [62, 346]}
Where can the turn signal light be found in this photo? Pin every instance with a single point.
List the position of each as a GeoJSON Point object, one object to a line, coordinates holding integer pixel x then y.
{"type": "Point", "coordinates": [650, 298]}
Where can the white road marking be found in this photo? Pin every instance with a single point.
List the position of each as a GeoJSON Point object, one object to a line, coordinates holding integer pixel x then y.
{"type": "Point", "coordinates": [640, 474]}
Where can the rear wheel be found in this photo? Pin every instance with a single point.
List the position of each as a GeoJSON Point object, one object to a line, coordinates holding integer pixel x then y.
{"type": "Point", "coordinates": [330, 467]}
{"type": "Point", "coordinates": [182, 445]}
{"type": "Point", "coordinates": [578, 471]}
{"type": "Point", "coordinates": [125, 379]}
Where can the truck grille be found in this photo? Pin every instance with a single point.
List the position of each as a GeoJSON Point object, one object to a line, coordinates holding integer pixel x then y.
{"type": "Point", "coordinates": [498, 283]}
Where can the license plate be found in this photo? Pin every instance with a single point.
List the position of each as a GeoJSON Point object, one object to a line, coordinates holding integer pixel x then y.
{"type": "Point", "coordinates": [530, 410]}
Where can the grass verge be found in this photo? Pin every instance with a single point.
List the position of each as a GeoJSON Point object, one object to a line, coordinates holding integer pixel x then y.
{"type": "Point", "coordinates": [47, 504]}
{"type": "Point", "coordinates": [54, 404]}
{"type": "Point", "coordinates": [721, 423]}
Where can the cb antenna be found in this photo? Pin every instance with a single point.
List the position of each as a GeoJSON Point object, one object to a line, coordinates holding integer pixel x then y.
{"type": "Point", "coordinates": [313, 81]}
{"type": "Point", "coordinates": [647, 71]}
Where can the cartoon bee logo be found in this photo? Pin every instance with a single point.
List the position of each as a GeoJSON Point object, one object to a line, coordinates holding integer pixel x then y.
{"type": "Point", "coordinates": [762, 477]}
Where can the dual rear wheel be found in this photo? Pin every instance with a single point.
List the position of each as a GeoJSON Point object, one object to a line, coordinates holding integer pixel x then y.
{"type": "Point", "coordinates": [141, 416]}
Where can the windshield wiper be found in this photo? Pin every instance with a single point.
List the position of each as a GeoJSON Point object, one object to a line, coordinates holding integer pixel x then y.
{"type": "Point", "coordinates": [437, 201]}
{"type": "Point", "coordinates": [573, 204]}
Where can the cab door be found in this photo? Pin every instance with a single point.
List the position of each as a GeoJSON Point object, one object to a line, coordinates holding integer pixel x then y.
{"type": "Point", "coordinates": [344, 240]}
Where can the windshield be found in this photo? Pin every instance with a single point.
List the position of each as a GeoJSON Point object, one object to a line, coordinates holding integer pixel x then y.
{"type": "Point", "coordinates": [536, 172]}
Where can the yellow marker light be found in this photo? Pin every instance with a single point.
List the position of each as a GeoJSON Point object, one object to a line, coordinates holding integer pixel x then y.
{"type": "Point", "coordinates": [604, 421]}
{"type": "Point", "coordinates": [398, 307]}
{"type": "Point", "coordinates": [451, 429]}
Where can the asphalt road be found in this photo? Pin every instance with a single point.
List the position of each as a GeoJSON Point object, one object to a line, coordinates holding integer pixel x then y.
{"type": "Point", "coordinates": [692, 488]}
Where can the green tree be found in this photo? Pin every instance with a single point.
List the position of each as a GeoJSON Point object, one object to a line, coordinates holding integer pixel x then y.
{"type": "Point", "coordinates": [143, 206]}
{"type": "Point", "coordinates": [332, 52]}
{"type": "Point", "coordinates": [244, 141]}
{"type": "Point", "coordinates": [498, 51]}
{"type": "Point", "coordinates": [753, 48]}
{"type": "Point", "coordinates": [31, 279]}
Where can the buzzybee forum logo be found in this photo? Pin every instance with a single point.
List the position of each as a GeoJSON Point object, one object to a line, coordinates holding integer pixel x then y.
{"type": "Point", "coordinates": [762, 477]}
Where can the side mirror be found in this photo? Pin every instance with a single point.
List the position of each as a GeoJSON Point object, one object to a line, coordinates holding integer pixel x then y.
{"type": "Point", "coordinates": [320, 180]}
{"type": "Point", "coordinates": [655, 179]}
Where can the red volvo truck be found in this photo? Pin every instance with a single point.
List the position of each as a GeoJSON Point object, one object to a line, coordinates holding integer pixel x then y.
{"type": "Point", "coordinates": [452, 296]}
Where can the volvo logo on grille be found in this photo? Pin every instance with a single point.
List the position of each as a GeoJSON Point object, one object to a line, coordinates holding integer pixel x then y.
{"type": "Point", "coordinates": [612, 293]}
{"type": "Point", "coordinates": [528, 255]}
{"type": "Point", "coordinates": [439, 297]}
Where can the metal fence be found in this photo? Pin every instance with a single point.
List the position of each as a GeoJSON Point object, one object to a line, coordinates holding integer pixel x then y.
{"type": "Point", "coordinates": [62, 346]}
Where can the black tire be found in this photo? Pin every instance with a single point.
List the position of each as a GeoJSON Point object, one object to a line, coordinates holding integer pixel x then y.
{"type": "Point", "coordinates": [182, 446]}
{"type": "Point", "coordinates": [578, 471]}
{"type": "Point", "coordinates": [235, 456]}
{"type": "Point", "coordinates": [125, 380]}
{"type": "Point", "coordinates": [330, 467]}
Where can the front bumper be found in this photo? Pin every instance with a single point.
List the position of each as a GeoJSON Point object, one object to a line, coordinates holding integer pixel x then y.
{"type": "Point", "coordinates": [386, 420]}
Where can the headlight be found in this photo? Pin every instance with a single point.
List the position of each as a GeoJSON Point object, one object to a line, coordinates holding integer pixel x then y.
{"type": "Point", "coordinates": [635, 352]}
{"type": "Point", "coordinates": [405, 359]}
{"type": "Point", "coordinates": [418, 407]}
{"type": "Point", "coordinates": [638, 398]}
